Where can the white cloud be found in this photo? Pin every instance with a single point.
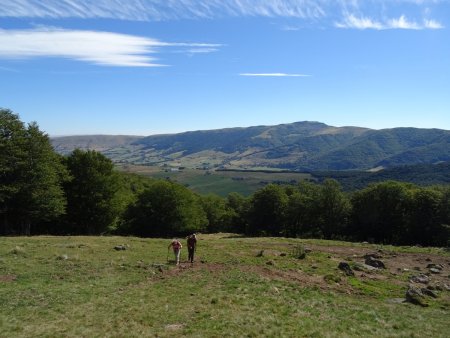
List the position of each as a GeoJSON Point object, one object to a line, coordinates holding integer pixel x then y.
{"type": "Point", "coordinates": [367, 14]}
{"type": "Point", "coordinates": [101, 48]}
{"type": "Point", "coordinates": [161, 9]}
{"type": "Point", "coordinates": [274, 75]}
{"type": "Point", "coordinates": [353, 22]}
{"type": "Point", "coordinates": [402, 23]}
{"type": "Point", "coordinates": [432, 24]}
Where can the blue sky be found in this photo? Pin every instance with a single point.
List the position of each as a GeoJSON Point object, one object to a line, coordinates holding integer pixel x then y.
{"type": "Point", "coordinates": [142, 67]}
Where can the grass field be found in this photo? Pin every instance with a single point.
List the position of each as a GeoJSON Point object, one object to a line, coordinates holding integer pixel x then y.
{"type": "Point", "coordinates": [218, 182]}
{"type": "Point", "coordinates": [238, 287]}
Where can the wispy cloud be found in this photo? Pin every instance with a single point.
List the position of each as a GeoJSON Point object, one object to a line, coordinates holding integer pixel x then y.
{"type": "Point", "coordinates": [432, 24]}
{"type": "Point", "coordinates": [161, 9]}
{"type": "Point", "coordinates": [274, 75]}
{"type": "Point", "coordinates": [101, 48]}
{"type": "Point", "coordinates": [352, 21]}
{"type": "Point", "coordinates": [357, 14]}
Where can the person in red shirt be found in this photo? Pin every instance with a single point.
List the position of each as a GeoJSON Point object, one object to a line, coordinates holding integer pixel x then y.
{"type": "Point", "coordinates": [176, 246]}
{"type": "Point", "coordinates": [192, 245]}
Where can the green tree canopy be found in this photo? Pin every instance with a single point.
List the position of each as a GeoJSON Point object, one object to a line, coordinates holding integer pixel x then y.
{"type": "Point", "coordinates": [165, 209]}
{"type": "Point", "coordinates": [334, 209]}
{"type": "Point", "coordinates": [91, 192]}
{"type": "Point", "coordinates": [31, 176]}
{"type": "Point", "coordinates": [267, 211]}
{"type": "Point", "coordinates": [380, 212]}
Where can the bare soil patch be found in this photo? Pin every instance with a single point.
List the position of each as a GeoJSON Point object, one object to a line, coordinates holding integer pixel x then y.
{"type": "Point", "coordinates": [8, 278]}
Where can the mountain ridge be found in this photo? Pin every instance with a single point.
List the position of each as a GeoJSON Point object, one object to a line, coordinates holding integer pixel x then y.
{"type": "Point", "coordinates": [305, 145]}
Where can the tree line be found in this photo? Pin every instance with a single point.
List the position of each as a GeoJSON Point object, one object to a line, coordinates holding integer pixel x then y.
{"type": "Point", "coordinates": [42, 192]}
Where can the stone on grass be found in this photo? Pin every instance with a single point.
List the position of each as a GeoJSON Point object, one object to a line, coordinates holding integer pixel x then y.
{"type": "Point", "coordinates": [429, 292]}
{"type": "Point", "coordinates": [435, 266]}
{"type": "Point", "coordinates": [415, 296]}
{"type": "Point", "coordinates": [435, 271]}
{"type": "Point", "coordinates": [120, 247]}
{"type": "Point", "coordinates": [363, 267]}
{"type": "Point", "coordinates": [423, 279]}
{"type": "Point", "coordinates": [344, 266]}
{"type": "Point", "coordinates": [376, 263]}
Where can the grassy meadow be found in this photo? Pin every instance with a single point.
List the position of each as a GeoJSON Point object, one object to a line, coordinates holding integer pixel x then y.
{"type": "Point", "coordinates": [238, 287]}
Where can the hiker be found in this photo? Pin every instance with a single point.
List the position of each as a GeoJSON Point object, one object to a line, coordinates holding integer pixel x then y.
{"type": "Point", "coordinates": [176, 246]}
{"type": "Point", "coordinates": [192, 245]}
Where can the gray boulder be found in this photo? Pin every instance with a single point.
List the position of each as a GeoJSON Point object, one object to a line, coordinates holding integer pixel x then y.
{"type": "Point", "coordinates": [423, 279]}
{"type": "Point", "coordinates": [415, 296]}
{"type": "Point", "coordinates": [344, 266]}
{"type": "Point", "coordinates": [376, 263]}
{"type": "Point", "coordinates": [429, 292]}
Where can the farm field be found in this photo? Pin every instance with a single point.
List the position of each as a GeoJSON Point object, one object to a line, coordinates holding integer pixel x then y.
{"type": "Point", "coordinates": [252, 287]}
{"type": "Point", "coordinates": [218, 182]}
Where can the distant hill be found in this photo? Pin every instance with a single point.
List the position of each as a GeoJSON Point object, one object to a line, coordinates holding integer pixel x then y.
{"type": "Point", "coordinates": [66, 144]}
{"type": "Point", "coordinates": [295, 146]}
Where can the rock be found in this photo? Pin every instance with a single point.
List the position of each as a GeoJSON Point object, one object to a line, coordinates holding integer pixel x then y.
{"type": "Point", "coordinates": [415, 296]}
{"type": "Point", "coordinates": [435, 271]}
{"type": "Point", "coordinates": [314, 266]}
{"type": "Point", "coordinates": [364, 267]}
{"type": "Point", "coordinates": [62, 257]}
{"type": "Point", "coordinates": [344, 266]}
{"type": "Point", "coordinates": [435, 266]}
{"type": "Point", "coordinates": [283, 254]}
{"type": "Point", "coordinates": [120, 247]}
{"type": "Point", "coordinates": [429, 292]}
{"type": "Point", "coordinates": [437, 287]}
{"type": "Point", "coordinates": [376, 263]}
{"type": "Point", "coordinates": [260, 254]}
{"type": "Point", "coordinates": [423, 279]}
{"type": "Point", "coordinates": [270, 263]}
{"type": "Point", "coordinates": [375, 255]}
{"type": "Point", "coordinates": [307, 250]}
{"type": "Point", "coordinates": [446, 287]}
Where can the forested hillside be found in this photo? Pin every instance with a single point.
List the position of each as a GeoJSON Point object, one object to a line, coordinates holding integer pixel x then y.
{"type": "Point", "coordinates": [296, 146]}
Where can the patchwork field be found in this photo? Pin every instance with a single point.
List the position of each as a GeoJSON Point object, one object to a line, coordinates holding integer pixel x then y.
{"type": "Point", "coordinates": [252, 287]}
{"type": "Point", "coordinates": [217, 182]}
